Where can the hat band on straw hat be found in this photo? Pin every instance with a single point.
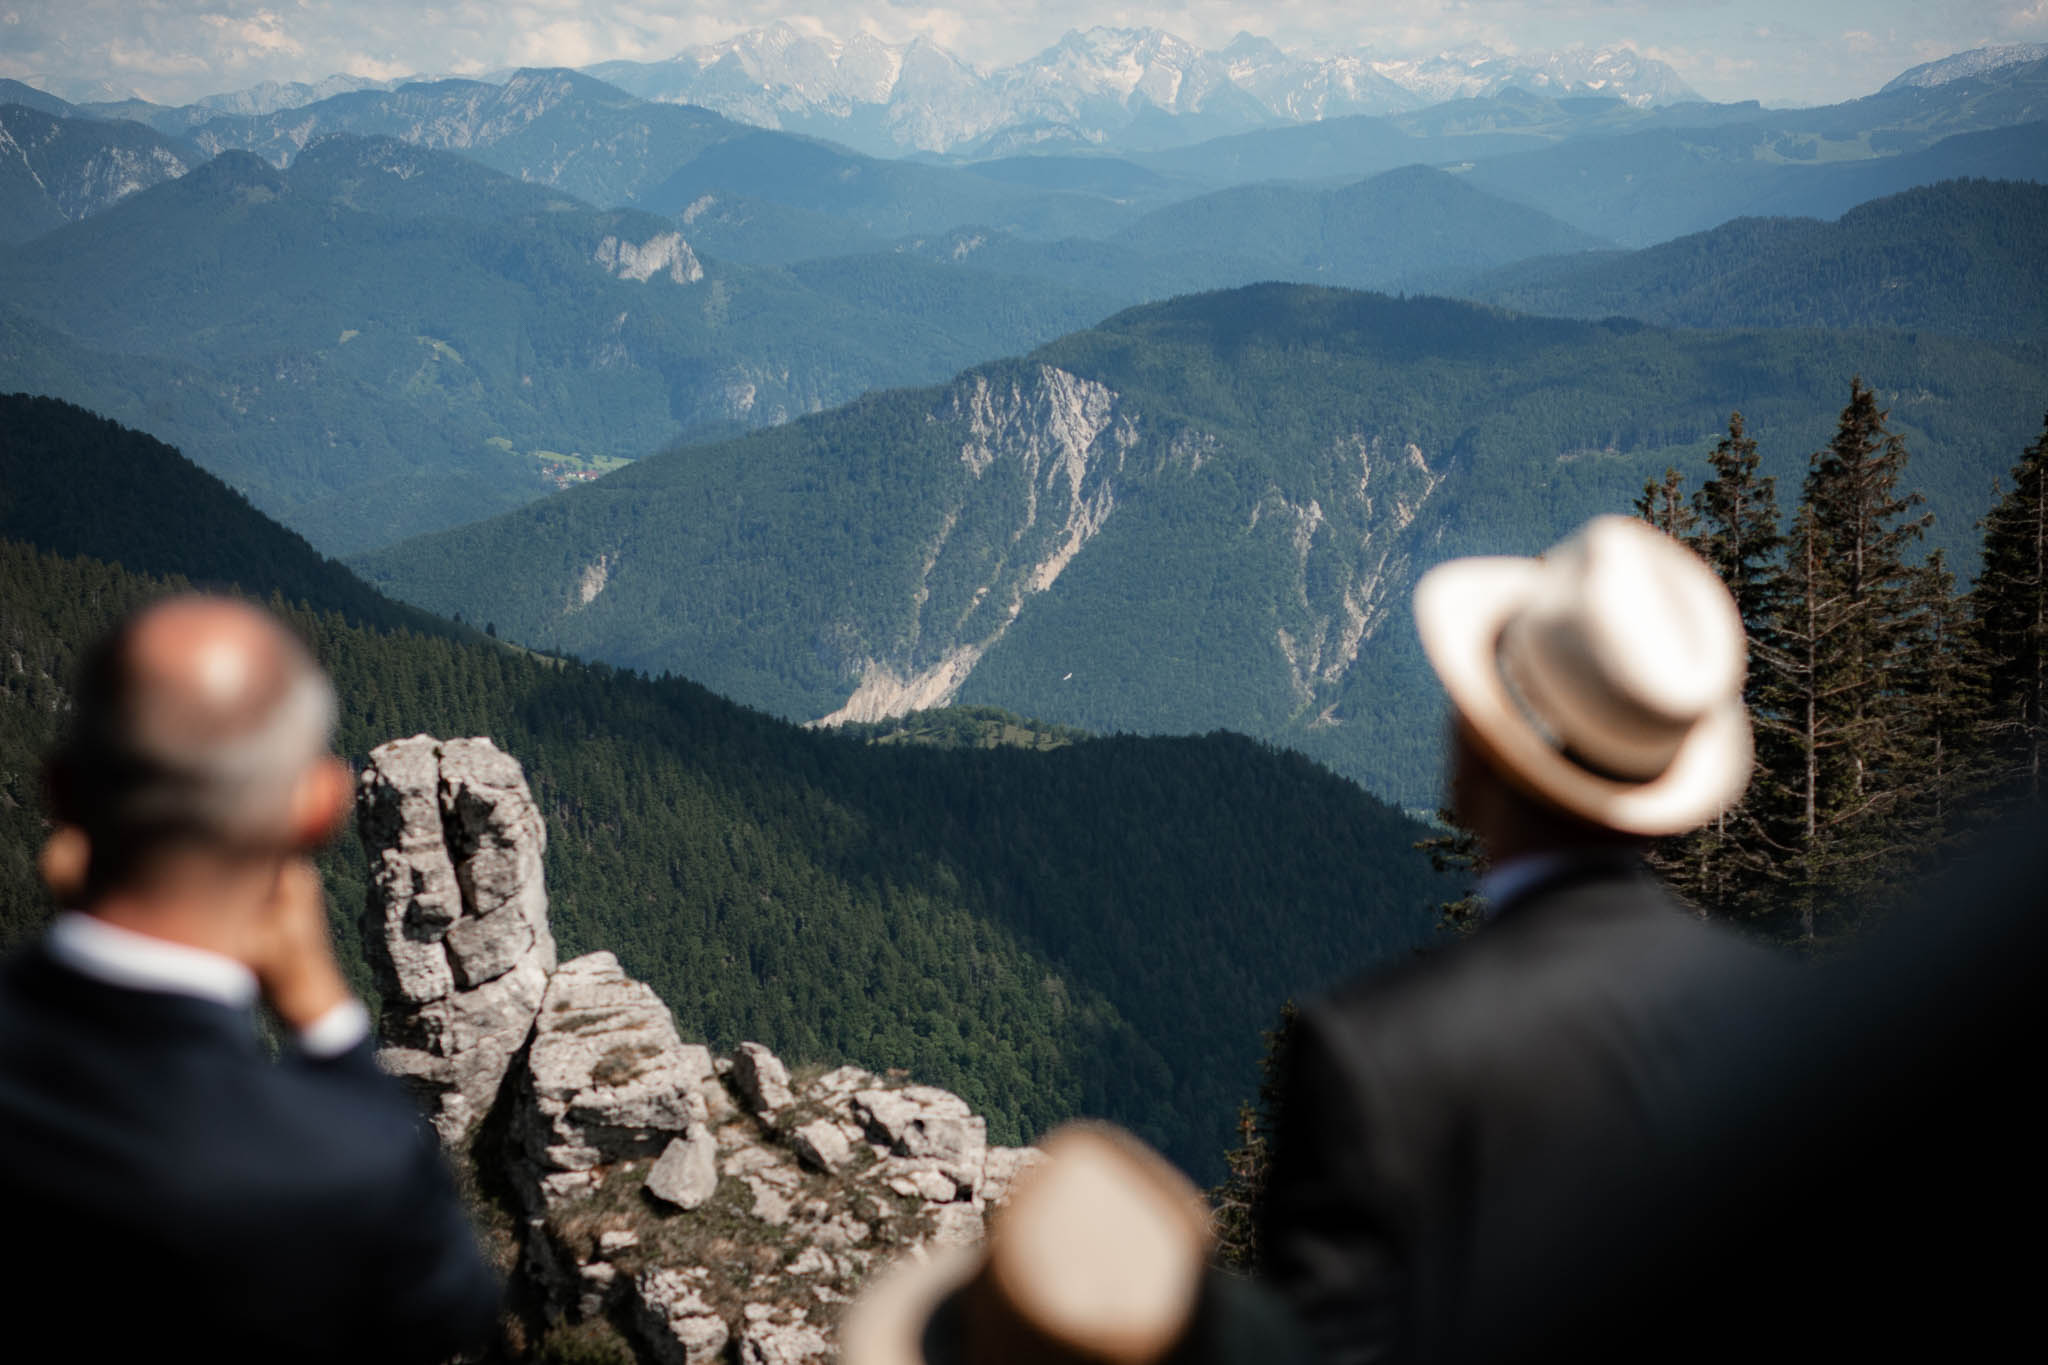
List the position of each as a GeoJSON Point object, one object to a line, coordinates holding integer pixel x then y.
{"type": "Point", "coordinates": [1587, 721]}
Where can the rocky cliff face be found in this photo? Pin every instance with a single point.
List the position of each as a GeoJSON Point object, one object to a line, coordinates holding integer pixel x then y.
{"type": "Point", "coordinates": [55, 170]}
{"type": "Point", "coordinates": [1044, 454]}
{"type": "Point", "coordinates": [705, 1206]}
{"type": "Point", "coordinates": [1050, 456]}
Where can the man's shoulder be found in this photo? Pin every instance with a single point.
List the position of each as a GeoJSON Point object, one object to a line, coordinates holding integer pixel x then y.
{"type": "Point", "coordinates": [1570, 945]}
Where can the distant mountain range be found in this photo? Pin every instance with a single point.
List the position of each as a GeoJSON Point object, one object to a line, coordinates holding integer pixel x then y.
{"type": "Point", "coordinates": [1101, 87]}
{"type": "Point", "coordinates": [1965, 257]}
{"type": "Point", "coordinates": [1135, 87]}
{"type": "Point", "coordinates": [383, 339]}
{"type": "Point", "coordinates": [1620, 172]}
{"type": "Point", "coordinates": [1413, 229]}
{"type": "Point", "coordinates": [1201, 514]}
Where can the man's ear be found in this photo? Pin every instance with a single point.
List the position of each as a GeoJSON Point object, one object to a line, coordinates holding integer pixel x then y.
{"type": "Point", "coordinates": [321, 802]}
{"type": "Point", "coordinates": [64, 864]}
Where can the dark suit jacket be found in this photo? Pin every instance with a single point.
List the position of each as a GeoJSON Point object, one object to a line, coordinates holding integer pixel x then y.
{"type": "Point", "coordinates": [170, 1190]}
{"type": "Point", "coordinates": [1419, 1103]}
{"type": "Point", "coordinates": [1861, 1177]}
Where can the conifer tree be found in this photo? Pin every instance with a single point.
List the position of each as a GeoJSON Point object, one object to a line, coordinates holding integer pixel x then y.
{"type": "Point", "coordinates": [1946, 684]}
{"type": "Point", "coordinates": [1456, 852]}
{"type": "Point", "coordinates": [1836, 730]}
{"type": "Point", "coordinates": [1724, 869]}
{"type": "Point", "coordinates": [2010, 609]}
{"type": "Point", "coordinates": [1663, 505]}
{"type": "Point", "coordinates": [1737, 516]}
{"type": "Point", "coordinates": [1235, 1203]}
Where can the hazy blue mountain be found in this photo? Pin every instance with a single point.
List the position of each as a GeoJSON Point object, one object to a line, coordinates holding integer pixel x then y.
{"type": "Point", "coordinates": [1965, 257]}
{"type": "Point", "coordinates": [1641, 175]}
{"type": "Point", "coordinates": [601, 145]}
{"type": "Point", "coordinates": [56, 169]}
{"type": "Point", "coordinates": [762, 232]}
{"type": "Point", "coordinates": [1205, 513]}
{"type": "Point", "coordinates": [1411, 229]}
{"type": "Point", "coordinates": [42, 101]}
{"type": "Point", "coordinates": [434, 341]}
{"type": "Point", "coordinates": [1458, 130]}
{"type": "Point", "coordinates": [1645, 187]}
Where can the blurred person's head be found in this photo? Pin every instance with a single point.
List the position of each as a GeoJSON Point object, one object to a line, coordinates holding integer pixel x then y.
{"type": "Point", "coordinates": [197, 755]}
{"type": "Point", "coordinates": [1596, 692]}
{"type": "Point", "coordinates": [1100, 1257]}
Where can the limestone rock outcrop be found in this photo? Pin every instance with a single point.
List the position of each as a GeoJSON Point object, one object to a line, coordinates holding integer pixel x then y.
{"type": "Point", "coordinates": [752, 1227]}
{"type": "Point", "coordinates": [607, 1078]}
{"type": "Point", "coordinates": [710, 1208]}
{"type": "Point", "coordinates": [456, 925]}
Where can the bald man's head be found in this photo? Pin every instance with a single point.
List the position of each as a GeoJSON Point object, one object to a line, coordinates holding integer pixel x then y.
{"type": "Point", "coordinates": [194, 721]}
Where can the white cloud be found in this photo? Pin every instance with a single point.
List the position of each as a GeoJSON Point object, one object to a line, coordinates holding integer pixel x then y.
{"type": "Point", "coordinates": [375, 69]}
{"type": "Point", "coordinates": [180, 49]}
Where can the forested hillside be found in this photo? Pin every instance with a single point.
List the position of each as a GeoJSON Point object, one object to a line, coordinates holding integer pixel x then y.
{"type": "Point", "coordinates": [1098, 927]}
{"type": "Point", "coordinates": [1205, 513]}
{"type": "Point", "coordinates": [76, 483]}
{"type": "Point", "coordinates": [1967, 257]}
{"type": "Point", "coordinates": [386, 339]}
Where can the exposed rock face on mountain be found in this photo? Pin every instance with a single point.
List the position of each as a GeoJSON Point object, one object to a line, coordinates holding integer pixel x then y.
{"type": "Point", "coordinates": [664, 254]}
{"type": "Point", "coordinates": [701, 1205]}
{"type": "Point", "coordinates": [457, 920]}
{"type": "Point", "coordinates": [1050, 448]}
{"type": "Point", "coordinates": [56, 170]}
{"type": "Point", "coordinates": [1964, 65]}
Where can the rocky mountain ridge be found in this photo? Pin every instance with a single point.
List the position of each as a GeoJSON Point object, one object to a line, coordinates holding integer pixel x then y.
{"type": "Point", "coordinates": [1963, 65]}
{"type": "Point", "coordinates": [56, 169]}
{"type": "Point", "coordinates": [1093, 85]}
{"type": "Point", "coordinates": [698, 1204]}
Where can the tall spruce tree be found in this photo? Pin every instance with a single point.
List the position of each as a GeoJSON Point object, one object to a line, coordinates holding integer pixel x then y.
{"type": "Point", "coordinates": [1235, 1203]}
{"type": "Point", "coordinates": [1737, 516]}
{"type": "Point", "coordinates": [1946, 682]}
{"type": "Point", "coordinates": [1724, 869]}
{"type": "Point", "coordinates": [1839, 741]}
{"type": "Point", "coordinates": [2010, 609]}
{"type": "Point", "coordinates": [1663, 504]}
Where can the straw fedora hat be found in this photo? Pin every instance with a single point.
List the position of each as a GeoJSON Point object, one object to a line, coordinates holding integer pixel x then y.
{"type": "Point", "coordinates": [1100, 1257]}
{"type": "Point", "coordinates": [1605, 677]}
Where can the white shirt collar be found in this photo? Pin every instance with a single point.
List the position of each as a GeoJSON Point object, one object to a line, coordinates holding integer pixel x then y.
{"type": "Point", "coordinates": [142, 962]}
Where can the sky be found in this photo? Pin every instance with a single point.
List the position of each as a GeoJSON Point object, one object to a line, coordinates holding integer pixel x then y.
{"type": "Point", "coordinates": [173, 51]}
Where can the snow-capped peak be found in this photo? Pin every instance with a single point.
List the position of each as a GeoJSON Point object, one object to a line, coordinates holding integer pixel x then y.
{"type": "Point", "coordinates": [1962, 65]}
{"type": "Point", "coordinates": [1093, 81]}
